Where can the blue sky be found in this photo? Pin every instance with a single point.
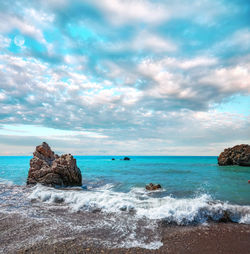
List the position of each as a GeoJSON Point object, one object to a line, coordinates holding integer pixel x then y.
{"type": "Point", "coordinates": [128, 77]}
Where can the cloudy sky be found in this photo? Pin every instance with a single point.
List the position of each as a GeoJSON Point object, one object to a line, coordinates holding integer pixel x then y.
{"type": "Point", "coordinates": [125, 77]}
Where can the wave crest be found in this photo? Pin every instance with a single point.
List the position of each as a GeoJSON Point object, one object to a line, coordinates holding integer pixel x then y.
{"type": "Point", "coordinates": [186, 211]}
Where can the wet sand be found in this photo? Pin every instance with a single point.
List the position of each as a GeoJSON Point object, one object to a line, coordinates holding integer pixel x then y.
{"type": "Point", "coordinates": [215, 238]}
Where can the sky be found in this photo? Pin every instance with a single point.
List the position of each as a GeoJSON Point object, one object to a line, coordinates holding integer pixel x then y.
{"type": "Point", "coordinates": [124, 77]}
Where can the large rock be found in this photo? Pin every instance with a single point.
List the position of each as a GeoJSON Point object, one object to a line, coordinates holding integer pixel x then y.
{"type": "Point", "coordinates": [48, 168]}
{"type": "Point", "coordinates": [237, 155]}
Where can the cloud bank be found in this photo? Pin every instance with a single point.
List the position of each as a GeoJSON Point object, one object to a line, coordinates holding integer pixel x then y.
{"type": "Point", "coordinates": [126, 77]}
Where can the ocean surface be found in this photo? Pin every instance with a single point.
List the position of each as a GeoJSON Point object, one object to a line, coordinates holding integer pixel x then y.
{"type": "Point", "coordinates": [195, 191]}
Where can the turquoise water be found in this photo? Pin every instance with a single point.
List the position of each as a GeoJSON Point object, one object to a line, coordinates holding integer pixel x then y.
{"type": "Point", "coordinates": [180, 176]}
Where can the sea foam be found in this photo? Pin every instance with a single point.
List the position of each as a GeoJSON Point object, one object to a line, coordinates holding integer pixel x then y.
{"type": "Point", "coordinates": [141, 203]}
{"type": "Point", "coordinates": [6, 182]}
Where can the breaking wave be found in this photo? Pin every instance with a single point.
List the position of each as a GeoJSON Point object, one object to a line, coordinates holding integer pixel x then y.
{"type": "Point", "coordinates": [144, 204]}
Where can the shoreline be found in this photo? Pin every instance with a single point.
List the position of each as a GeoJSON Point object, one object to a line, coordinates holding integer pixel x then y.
{"type": "Point", "coordinates": [45, 220]}
{"type": "Point", "coordinates": [214, 237]}
{"type": "Point", "coordinates": [224, 238]}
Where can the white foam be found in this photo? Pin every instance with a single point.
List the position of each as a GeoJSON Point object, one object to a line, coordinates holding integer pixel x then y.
{"type": "Point", "coordinates": [136, 243]}
{"type": "Point", "coordinates": [245, 219]}
{"type": "Point", "coordinates": [6, 182]}
{"type": "Point", "coordinates": [172, 210]}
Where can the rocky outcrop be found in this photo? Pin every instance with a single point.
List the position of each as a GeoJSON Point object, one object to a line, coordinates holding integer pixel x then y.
{"type": "Point", "coordinates": [126, 159]}
{"type": "Point", "coordinates": [237, 155]}
{"type": "Point", "coordinates": [48, 168]}
{"type": "Point", "coordinates": [152, 187]}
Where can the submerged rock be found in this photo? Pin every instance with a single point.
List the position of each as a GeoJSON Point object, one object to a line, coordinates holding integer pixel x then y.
{"type": "Point", "coordinates": [153, 187]}
{"type": "Point", "coordinates": [48, 168]}
{"type": "Point", "coordinates": [237, 155]}
{"type": "Point", "coordinates": [225, 217]}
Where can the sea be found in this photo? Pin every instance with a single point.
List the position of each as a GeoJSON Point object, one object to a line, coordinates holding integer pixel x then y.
{"type": "Point", "coordinates": [113, 208]}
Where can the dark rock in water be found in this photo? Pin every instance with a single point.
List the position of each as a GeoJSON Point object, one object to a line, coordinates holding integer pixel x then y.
{"type": "Point", "coordinates": [113, 159]}
{"type": "Point", "coordinates": [244, 163]}
{"type": "Point", "coordinates": [225, 218]}
{"type": "Point", "coordinates": [153, 187]}
{"type": "Point", "coordinates": [48, 168]}
{"type": "Point", "coordinates": [96, 210]}
{"type": "Point", "coordinates": [237, 155]}
{"type": "Point", "coordinates": [123, 208]}
{"type": "Point", "coordinates": [126, 159]}
{"type": "Point", "coordinates": [58, 200]}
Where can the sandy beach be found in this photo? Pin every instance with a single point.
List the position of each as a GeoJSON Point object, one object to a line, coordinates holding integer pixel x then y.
{"type": "Point", "coordinates": [213, 238]}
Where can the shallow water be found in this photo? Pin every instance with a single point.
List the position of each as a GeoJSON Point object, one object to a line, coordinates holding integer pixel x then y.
{"type": "Point", "coordinates": [181, 177]}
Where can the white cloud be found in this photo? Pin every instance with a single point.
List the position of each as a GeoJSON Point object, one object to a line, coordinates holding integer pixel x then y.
{"type": "Point", "coordinates": [240, 38]}
{"type": "Point", "coordinates": [39, 17]}
{"type": "Point", "coordinates": [9, 23]}
{"type": "Point", "coordinates": [4, 41]}
{"type": "Point", "coordinates": [161, 133]}
{"type": "Point", "coordinates": [197, 62]}
{"type": "Point", "coordinates": [149, 41]}
{"type": "Point", "coordinates": [2, 96]}
{"type": "Point", "coordinates": [172, 63]}
{"type": "Point", "coordinates": [144, 41]}
{"type": "Point", "coordinates": [203, 12]}
{"type": "Point", "coordinates": [235, 43]}
{"type": "Point", "coordinates": [145, 11]}
{"type": "Point", "coordinates": [47, 133]}
{"type": "Point", "coordinates": [127, 11]}
{"type": "Point", "coordinates": [186, 78]}
{"type": "Point", "coordinates": [234, 79]}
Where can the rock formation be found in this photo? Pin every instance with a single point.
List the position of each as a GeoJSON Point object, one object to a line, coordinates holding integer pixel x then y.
{"type": "Point", "coordinates": [126, 159]}
{"type": "Point", "coordinates": [48, 168]}
{"type": "Point", "coordinates": [237, 155]}
{"type": "Point", "coordinates": [153, 187]}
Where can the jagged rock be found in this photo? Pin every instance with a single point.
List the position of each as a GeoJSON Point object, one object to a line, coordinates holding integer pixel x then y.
{"type": "Point", "coordinates": [48, 168]}
{"type": "Point", "coordinates": [153, 187]}
{"type": "Point", "coordinates": [237, 155]}
{"type": "Point", "coordinates": [126, 159]}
